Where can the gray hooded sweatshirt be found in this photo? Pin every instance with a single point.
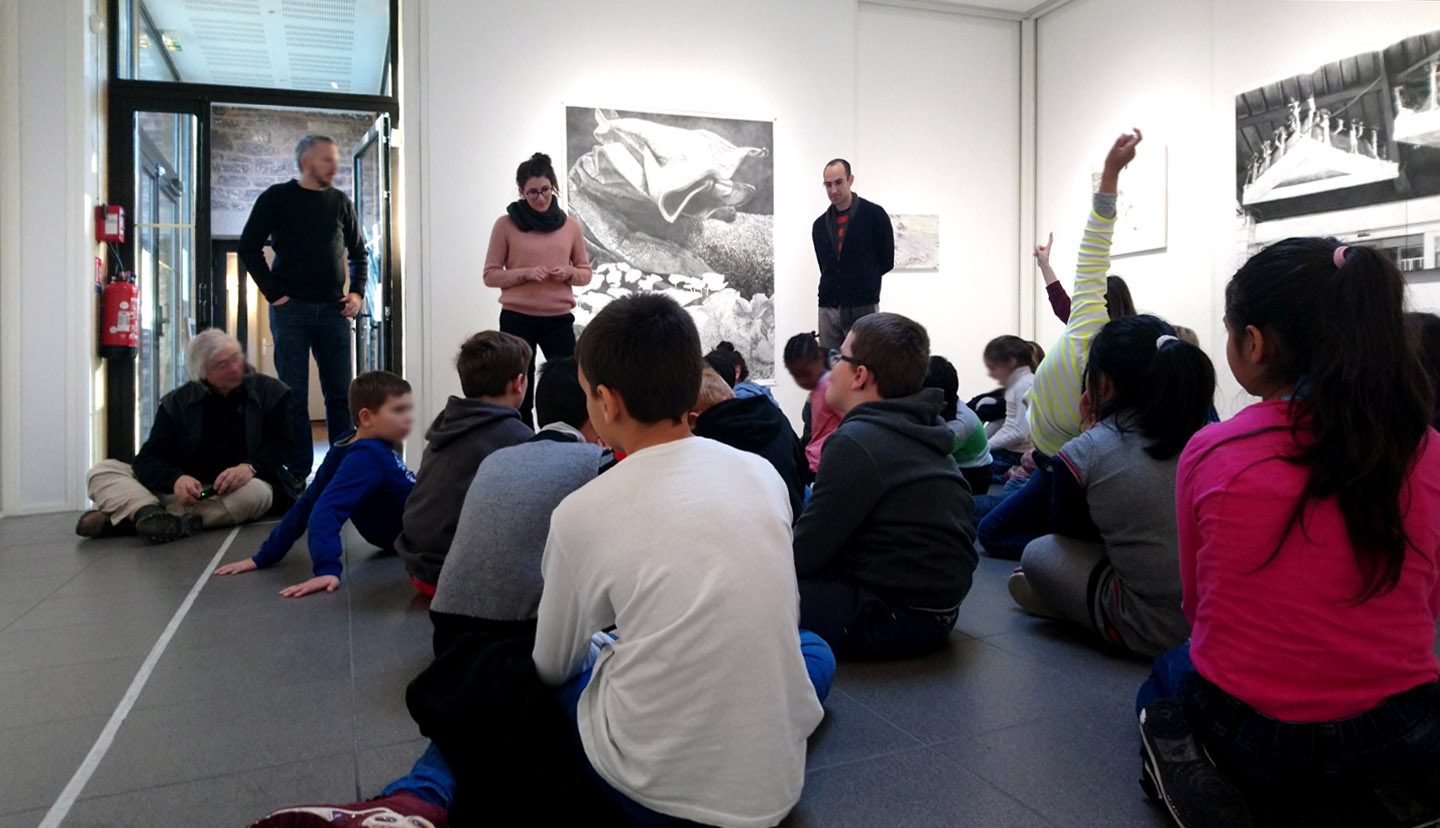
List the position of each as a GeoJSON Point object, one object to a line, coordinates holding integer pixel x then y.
{"type": "Point", "coordinates": [464, 434]}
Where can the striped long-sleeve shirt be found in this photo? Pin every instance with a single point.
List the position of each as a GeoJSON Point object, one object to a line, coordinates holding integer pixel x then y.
{"type": "Point", "coordinates": [1054, 409]}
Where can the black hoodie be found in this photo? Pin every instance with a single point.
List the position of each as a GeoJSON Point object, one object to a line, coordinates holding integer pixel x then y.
{"type": "Point", "coordinates": [890, 509]}
{"type": "Point", "coordinates": [756, 425]}
{"type": "Point", "coordinates": [463, 435]}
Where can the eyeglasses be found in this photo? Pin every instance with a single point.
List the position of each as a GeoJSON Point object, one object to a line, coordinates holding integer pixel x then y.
{"type": "Point", "coordinates": [836, 356]}
{"type": "Point", "coordinates": [543, 192]}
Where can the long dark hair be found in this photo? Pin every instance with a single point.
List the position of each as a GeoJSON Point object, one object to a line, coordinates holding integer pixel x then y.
{"type": "Point", "coordinates": [1426, 329]}
{"type": "Point", "coordinates": [1002, 349]}
{"type": "Point", "coordinates": [1161, 386]}
{"type": "Point", "coordinates": [1363, 403]}
{"type": "Point", "coordinates": [1118, 301]}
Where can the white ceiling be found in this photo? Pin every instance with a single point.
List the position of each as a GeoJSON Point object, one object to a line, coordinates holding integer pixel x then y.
{"type": "Point", "coordinates": [322, 45]}
{"type": "Point", "coordinates": [1008, 9]}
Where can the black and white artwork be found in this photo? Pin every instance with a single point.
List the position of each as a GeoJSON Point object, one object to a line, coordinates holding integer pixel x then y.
{"type": "Point", "coordinates": [1350, 150]}
{"type": "Point", "coordinates": [917, 241]}
{"type": "Point", "coordinates": [683, 205]}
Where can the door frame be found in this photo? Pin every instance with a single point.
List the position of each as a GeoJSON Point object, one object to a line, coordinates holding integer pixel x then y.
{"type": "Point", "coordinates": [125, 97]}
{"type": "Point", "coordinates": [378, 138]}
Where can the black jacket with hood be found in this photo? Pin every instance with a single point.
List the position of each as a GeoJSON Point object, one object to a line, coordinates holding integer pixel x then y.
{"type": "Point", "coordinates": [757, 425]}
{"type": "Point", "coordinates": [464, 434]}
{"type": "Point", "coordinates": [890, 509]}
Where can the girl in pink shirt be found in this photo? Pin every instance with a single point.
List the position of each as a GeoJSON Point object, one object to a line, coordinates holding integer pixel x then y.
{"type": "Point", "coordinates": [809, 366]}
{"type": "Point", "coordinates": [537, 254]}
{"type": "Point", "coordinates": [1309, 529]}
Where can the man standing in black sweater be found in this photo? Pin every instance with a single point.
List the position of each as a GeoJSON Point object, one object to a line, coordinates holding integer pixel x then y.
{"type": "Point", "coordinates": [855, 246]}
{"type": "Point", "coordinates": [314, 230]}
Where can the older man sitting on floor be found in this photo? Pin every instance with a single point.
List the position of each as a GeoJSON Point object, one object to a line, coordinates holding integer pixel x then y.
{"type": "Point", "coordinates": [216, 449]}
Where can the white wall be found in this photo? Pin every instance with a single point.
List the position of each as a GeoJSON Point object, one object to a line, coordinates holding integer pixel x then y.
{"type": "Point", "coordinates": [494, 80]}
{"type": "Point", "coordinates": [49, 173]}
{"type": "Point", "coordinates": [1173, 68]}
{"type": "Point", "coordinates": [937, 119]}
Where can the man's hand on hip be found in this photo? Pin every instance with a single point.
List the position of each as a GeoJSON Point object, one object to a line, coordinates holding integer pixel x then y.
{"type": "Point", "coordinates": [350, 306]}
{"type": "Point", "coordinates": [278, 302]}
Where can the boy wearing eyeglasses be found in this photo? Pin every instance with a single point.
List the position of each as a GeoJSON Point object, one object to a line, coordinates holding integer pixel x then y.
{"type": "Point", "coordinates": [885, 551]}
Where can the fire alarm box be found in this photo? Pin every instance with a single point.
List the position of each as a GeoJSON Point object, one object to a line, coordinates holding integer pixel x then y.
{"type": "Point", "coordinates": [109, 223]}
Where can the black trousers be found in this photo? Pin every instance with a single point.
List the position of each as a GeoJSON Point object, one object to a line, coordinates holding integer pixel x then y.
{"type": "Point", "coordinates": [555, 335]}
{"type": "Point", "coordinates": [862, 625]}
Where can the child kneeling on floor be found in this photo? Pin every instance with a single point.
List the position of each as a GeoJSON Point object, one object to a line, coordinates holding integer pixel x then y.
{"type": "Point", "coordinates": [1309, 532]}
{"type": "Point", "coordinates": [1113, 565]}
{"type": "Point", "coordinates": [363, 480]}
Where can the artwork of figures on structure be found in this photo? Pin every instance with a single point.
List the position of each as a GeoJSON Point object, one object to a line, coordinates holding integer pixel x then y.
{"type": "Point", "coordinates": [917, 241]}
{"type": "Point", "coordinates": [684, 205]}
{"type": "Point", "coordinates": [1350, 150]}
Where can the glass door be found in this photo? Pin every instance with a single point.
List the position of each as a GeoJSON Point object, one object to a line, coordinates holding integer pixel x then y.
{"type": "Point", "coordinates": [164, 227]}
{"type": "Point", "coordinates": [372, 205]}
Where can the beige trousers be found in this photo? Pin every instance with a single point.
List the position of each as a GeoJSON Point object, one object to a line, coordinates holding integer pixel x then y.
{"type": "Point", "coordinates": [119, 495]}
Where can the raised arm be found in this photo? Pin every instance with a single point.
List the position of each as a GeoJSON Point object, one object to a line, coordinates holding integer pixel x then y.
{"type": "Point", "coordinates": [1088, 312]}
{"type": "Point", "coordinates": [1059, 299]}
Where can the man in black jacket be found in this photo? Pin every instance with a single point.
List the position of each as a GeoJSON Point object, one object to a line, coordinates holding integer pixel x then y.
{"type": "Point", "coordinates": [214, 455]}
{"type": "Point", "coordinates": [855, 246]}
{"type": "Point", "coordinates": [313, 228]}
{"type": "Point", "coordinates": [885, 551]}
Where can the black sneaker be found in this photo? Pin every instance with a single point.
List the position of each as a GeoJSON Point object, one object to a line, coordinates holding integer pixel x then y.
{"type": "Point", "coordinates": [1197, 794]}
{"type": "Point", "coordinates": [156, 525]}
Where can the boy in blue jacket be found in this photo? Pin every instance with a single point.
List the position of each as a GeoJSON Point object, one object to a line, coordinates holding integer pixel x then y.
{"type": "Point", "coordinates": [363, 480]}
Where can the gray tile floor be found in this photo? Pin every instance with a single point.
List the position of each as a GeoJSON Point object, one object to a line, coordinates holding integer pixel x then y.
{"type": "Point", "coordinates": [259, 702]}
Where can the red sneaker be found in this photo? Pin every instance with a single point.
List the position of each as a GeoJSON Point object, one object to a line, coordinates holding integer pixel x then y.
{"type": "Point", "coordinates": [401, 810]}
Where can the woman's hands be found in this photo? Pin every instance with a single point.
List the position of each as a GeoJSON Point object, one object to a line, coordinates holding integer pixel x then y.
{"type": "Point", "coordinates": [549, 274]}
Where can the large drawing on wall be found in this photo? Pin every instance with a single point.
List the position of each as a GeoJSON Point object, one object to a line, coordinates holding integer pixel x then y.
{"type": "Point", "coordinates": [917, 241]}
{"type": "Point", "coordinates": [684, 205]}
{"type": "Point", "coordinates": [1350, 150]}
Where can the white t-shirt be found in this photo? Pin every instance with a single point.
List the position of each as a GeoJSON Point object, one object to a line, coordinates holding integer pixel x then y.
{"type": "Point", "coordinates": [701, 708]}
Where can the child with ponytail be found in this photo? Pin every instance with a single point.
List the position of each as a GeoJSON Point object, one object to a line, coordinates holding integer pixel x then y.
{"type": "Point", "coordinates": [1113, 565]}
{"type": "Point", "coordinates": [809, 366]}
{"type": "Point", "coordinates": [1309, 533]}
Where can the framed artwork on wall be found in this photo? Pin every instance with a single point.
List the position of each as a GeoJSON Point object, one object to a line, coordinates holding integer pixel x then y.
{"type": "Point", "coordinates": [683, 205]}
{"type": "Point", "coordinates": [1143, 207]}
{"type": "Point", "coordinates": [917, 241]}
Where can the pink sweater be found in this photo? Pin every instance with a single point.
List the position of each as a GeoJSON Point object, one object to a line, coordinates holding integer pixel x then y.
{"type": "Point", "coordinates": [1286, 638]}
{"type": "Point", "coordinates": [515, 257]}
{"type": "Point", "coordinates": [823, 421]}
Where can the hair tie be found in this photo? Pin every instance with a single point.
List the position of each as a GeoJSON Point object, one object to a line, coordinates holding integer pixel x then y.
{"type": "Point", "coordinates": [1163, 339]}
{"type": "Point", "coordinates": [1340, 255]}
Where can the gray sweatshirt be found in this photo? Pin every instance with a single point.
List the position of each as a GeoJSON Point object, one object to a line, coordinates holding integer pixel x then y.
{"type": "Point", "coordinates": [493, 569]}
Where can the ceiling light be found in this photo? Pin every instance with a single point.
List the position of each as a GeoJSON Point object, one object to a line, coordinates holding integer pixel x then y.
{"type": "Point", "coordinates": [334, 85]}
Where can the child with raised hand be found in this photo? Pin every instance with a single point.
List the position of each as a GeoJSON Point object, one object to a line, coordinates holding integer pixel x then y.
{"type": "Point", "coordinates": [1113, 566]}
{"type": "Point", "coordinates": [1309, 529]}
{"type": "Point", "coordinates": [1118, 302]}
{"type": "Point", "coordinates": [363, 480]}
{"type": "Point", "coordinates": [972, 451]}
{"type": "Point", "coordinates": [1053, 405]}
{"type": "Point", "coordinates": [809, 366]}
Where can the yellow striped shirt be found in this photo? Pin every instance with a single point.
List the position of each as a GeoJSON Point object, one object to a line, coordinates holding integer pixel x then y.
{"type": "Point", "coordinates": [1054, 410]}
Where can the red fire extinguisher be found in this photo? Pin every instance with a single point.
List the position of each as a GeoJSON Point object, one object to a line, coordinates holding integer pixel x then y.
{"type": "Point", "coordinates": [120, 326]}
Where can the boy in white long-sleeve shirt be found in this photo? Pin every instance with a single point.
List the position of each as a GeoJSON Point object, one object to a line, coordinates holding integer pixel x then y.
{"type": "Point", "coordinates": [699, 706]}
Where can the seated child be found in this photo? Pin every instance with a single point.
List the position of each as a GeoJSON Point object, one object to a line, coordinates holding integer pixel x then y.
{"type": "Point", "coordinates": [751, 424]}
{"type": "Point", "coordinates": [972, 450]}
{"type": "Point", "coordinates": [492, 367]}
{"type": "Point", "coordinates": [363, 480]}
{"type": "Point", "coordinates": [809, 366]}
{"type": "Point", "coordinates": [491, 578]}
{"type": "Point", "coordinates": [743, 385]}
{"type": "Point", "coordinates": [1010, 361]}
{"type": "Point", "coordinates": [1309, 548]}
{"type": "Point", "coordinates": [702, 588]}
{"type": "Point", "coordinates": [1053, 404]}
{"type": "Point", "coordinates": [706, 592]}
{"type": "Point", "coordinates": [1113, 564]}
{"type": "Point", "coordinates": [1118, 302]}
{"type": "Point", "coordinates": [885, 551]}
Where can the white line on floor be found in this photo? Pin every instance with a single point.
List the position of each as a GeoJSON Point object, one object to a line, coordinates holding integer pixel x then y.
{"type": "Point", "coordinates": [77, 783]}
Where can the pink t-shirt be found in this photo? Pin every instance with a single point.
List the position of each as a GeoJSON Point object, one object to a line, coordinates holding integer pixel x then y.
{"type": "Point", "coordinates": [1286, 637]}
{"type": "Point", "coordinates": [823, 421]}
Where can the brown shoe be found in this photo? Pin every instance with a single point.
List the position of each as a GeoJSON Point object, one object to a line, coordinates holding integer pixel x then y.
{"type": "Point", "coordinates": [93, 524]}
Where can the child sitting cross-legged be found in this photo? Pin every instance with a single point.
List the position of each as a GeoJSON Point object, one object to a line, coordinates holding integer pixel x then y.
{"type": "Point", "coordinates": [1113, 565]}
{"type": "Point", "coordinates": [362, 481]}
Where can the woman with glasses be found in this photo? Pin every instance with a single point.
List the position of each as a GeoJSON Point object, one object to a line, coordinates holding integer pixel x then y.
{"type": "Point", "coordinates": [537, 254]}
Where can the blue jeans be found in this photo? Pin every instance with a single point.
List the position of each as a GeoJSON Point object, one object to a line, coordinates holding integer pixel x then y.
{"type": "Point", "coordinates": [300, 327]}
{"type": "Point", "coordinates": [819, 664]}
{"type": "Point", "coordinates": [1020, 518]}
{"type": "Point", "coordinates": [1402, 731]}
{"type": "Point", "coordinates": [432, 780]}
